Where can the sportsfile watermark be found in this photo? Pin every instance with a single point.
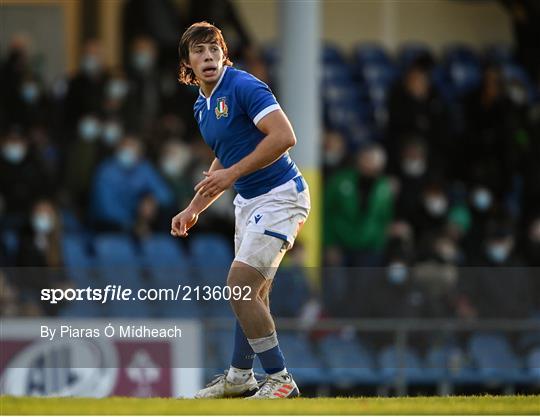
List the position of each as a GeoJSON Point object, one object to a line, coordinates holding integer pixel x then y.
{"type": "Point", "coordinates": [113, 292]}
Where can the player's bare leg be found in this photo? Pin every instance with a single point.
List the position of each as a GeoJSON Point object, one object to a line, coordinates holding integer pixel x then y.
{"type": "Point", "coordinates": [258, 326]}
{"type": "Point", "coordinates": [239, 382]}
{"type": "Point", "coordinates": [253, 314]}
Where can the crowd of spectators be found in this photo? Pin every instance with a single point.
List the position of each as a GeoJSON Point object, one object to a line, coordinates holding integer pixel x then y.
{"type": "Point", "coordinates": [439, 217]}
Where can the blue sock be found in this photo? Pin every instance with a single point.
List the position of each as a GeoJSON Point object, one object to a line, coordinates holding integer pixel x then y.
{"type": "Point", "coordinates": [243, 354]}
{"type": "Point", "coordinates": [272, 360]}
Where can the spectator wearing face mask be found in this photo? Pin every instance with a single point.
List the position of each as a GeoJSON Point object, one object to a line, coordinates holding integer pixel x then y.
{"type": "Point", "coordinates": [31, 105]}
{"type": "Point", "coordinates": [115, 97]}
{"type": "Point", "coordinates": [358, 210]}
{"type": "Point", "coordinates": [483, 207]}
{"type": "Point", "coordinates": [499, 286]}
{"type": "Point", "coordinates": [83, 157]}
{"type": "Point", "coordinates": [144, 100]}
{"type": "Point", "coordinates": [391, 292]}
{"type": "Point", "coordinates": [412, 174]}
{"type": "Point", "coordinates": [119, 184]}
{"type": "Point", "coordinates": [112, 131]}
{"type": "Point", "coordinates": [86, 90]}
{"type": "Point", "coordinates": [437, 275]}
{"type": "Point", "coordinates": [175, 165]}
{"type": "Point", "coordinates": [40, 249]}
{"type": "Point", "coordinates": [432, 213]}
{"type": "Point", "coordinates": [22, 178]}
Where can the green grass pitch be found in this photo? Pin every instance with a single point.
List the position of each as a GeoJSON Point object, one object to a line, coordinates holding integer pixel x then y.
{"type": "Point", "coordinates": [523, 405]}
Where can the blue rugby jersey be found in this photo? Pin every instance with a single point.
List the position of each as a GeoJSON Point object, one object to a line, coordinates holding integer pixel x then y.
{"type": "Point", "coordinates": [227, 121]}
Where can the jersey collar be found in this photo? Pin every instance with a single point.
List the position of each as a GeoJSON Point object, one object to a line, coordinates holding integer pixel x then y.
{"type": "Point", "coordinates": [214, 89]}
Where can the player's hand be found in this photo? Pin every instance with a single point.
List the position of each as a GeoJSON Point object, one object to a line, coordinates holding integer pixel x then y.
{"type": "Point", "coordinates": [183, 221]}
{"type": "Point", "coordinates": [216, 182]}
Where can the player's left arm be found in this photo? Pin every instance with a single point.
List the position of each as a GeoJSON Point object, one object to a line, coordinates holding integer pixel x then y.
{"type": "Point", "coordinates": [278, 140]}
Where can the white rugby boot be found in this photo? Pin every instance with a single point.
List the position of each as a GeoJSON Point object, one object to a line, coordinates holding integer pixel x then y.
{"type": "Point", "coordinates": [219, 387]}
{"type": "Point", "coordinates": [276, 387]}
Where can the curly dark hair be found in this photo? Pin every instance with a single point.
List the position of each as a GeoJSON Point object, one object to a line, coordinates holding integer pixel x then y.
{"type": "Point", "coordinates": [200, 32]}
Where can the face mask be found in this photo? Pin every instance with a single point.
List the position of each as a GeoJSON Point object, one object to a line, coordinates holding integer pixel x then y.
{"type": "Point", "coordinates": [112, 132]}
{"type": "Point", "coordinates": [14, 152]}
{"type": "Point", "coordinates": [498, 253]}
{"type": "Point", "coordinates": [30, 92]}
{"type": "Point", "coordinates": [436, 206]}
{"type": "Point", "coordinates": [143, 61]}
{"type": "Point", "coordinates": [397, 273]}
{"type": "Point", "coordinates": [413, 167]}
{"type": "Point", "coordinates": [482, 199]}
{"type": "Point", "coordinates": [89, 129]}
{"type": "Point", "coordinates": [90, 65]}
{"type": "Point", "coordinates": [127, 157]}
{"type": "Point", "coordinates": [42, 223]}
{"type": "Point", "coordinates": [117, 89]}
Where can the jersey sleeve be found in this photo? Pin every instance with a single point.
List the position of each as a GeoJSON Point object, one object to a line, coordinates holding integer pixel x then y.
{"type": "Point", "coordinates": [255, 98]}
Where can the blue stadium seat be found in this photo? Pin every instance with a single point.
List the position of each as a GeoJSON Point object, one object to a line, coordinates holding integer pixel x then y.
{"type": "Point", "coordinates": [168, 266]}
{"type": "Point", "coordinates": [78, 260]}
{"type": "Point", "coordinates": [533, 365]}
{"type": "Point", "coordinates": [290, 292]}
{"type": "Point", "coordinates": [465, 76]}
{"type": "Point", "coordinates": [10, 242]}
{"type": "Point", "coordinates": [306, 367]}
{"type": "Point", "coordinates": [166, 261]}
{"type": "Point", "coordinates": [115, 250]}
{"type": "Point", "coordinates": [494, 358]}
{"type": "Point", "coordinates": [382, 74]}
{"type": "Point", "coordinates": [499, 54]}
{"type": "Point", "coordinates": [447, 362]}
{"type": "Point", "coordinates": [460, 53]}
{"type": "Point", "coordinates": [210, 250]}
{"type": "Point", "coordinates": [370, 53]}
{"type": "Point", "coordinates": [163, 250]}
{"type": "Point", "coordinates": [392, 363]}
{"type": "Point", "coordinates": [211, 256]}
{"type": "Point", "coordinates": [117, 260]}
{"type": "Point", "coordinates": [218, 350]}
{"type": "Point", "coordinates": [336, 75]}
{"type": "Point", "coordinates": [349, 362]}
{"type": "Point", "coordinates": [444, 84]}
{"type": "Point", "coordinates": [331, 54]}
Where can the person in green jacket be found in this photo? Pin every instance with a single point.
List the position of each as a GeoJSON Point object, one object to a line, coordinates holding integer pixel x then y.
{"type": "Point", "coordinates": [358, 209]}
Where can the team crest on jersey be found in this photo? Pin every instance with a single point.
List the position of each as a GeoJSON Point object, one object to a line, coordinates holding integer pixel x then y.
{"type": "Point", "coordinates": [222, 110]}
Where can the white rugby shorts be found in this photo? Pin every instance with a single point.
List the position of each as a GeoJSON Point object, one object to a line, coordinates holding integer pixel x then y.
{"type": "Point", "coordinates": [266, 226]}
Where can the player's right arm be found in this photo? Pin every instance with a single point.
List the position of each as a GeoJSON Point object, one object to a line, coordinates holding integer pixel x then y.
{"type": "Point", "coordinates": [188, 217]}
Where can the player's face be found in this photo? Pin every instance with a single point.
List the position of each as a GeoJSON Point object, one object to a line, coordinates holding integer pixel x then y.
{"type": "Point", "coordinates": [206, 61]}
